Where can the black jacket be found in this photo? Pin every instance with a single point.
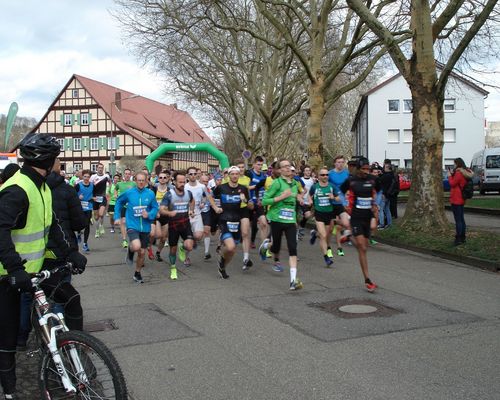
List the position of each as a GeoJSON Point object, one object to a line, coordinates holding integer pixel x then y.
{"type": "Point", "coordinates": [388, 183]}
{"type": "Point", "coordinates": [14, 204]}
{"type": "Point", "coordinates": [69, 213]}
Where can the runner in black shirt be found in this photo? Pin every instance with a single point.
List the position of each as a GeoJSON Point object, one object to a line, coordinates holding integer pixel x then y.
{"type": "Point", "coordinates": [231, 196]}
{"type": "Point", "coordinates": [100, 181]}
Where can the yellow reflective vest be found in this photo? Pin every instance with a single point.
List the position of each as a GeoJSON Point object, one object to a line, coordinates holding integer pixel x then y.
{"type": "Point", "coordinates": [30, 241]}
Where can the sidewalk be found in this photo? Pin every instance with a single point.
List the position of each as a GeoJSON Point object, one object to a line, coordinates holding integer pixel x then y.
{"type": "Point", "coordinates": [434, 334]}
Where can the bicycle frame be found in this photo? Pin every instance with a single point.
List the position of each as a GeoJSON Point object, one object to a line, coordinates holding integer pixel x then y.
{"type": "Point", "coordinates": [49, 333]}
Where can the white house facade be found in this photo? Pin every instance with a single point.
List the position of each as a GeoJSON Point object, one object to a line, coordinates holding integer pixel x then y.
{"type": "Point", "coordinates": [383, 122]}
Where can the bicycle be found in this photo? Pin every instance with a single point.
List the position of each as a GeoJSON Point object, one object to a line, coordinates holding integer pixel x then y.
{"type": "Point", "coordinates": [73, 364]}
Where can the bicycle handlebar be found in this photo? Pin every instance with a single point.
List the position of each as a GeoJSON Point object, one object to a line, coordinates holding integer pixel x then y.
{"type": "Point", "coordinates": [39, 277]}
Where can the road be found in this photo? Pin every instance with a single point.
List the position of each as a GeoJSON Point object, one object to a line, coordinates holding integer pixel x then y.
{"type": "Point", "coordinates": [434, 335]}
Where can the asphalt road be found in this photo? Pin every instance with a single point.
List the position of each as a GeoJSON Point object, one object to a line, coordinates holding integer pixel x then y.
{"type": "Point", "coordinates": [435, 334]}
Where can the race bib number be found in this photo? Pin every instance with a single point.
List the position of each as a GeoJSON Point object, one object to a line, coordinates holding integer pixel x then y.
{"type": "Point", "coordinates": [138, 210]}
{"type": "Point", "coordinates": [324, 201]}
{"type": "Point", "coordinates": [99, 199]}
{"type": "Point", "coordinates": [181, 207]}
{"type": "Point", "coordinates": [85, 205]}
{"type": "Point", "coordinates": [287, 214]}
{"type": "Point", "coordinates": [233, 226]}
{"type": "Point", "coordinates": [206, 207]}
{"type": "Point", "coordinates": [364, 203]}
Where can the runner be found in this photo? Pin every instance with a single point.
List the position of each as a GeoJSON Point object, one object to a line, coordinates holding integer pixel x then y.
{"type": "Point", "coordinates": [362, 207]}
{"type": "Point", "coordinates": [111, 197]}
{"type": "Point", "coordinates": [323, 194]}
{"type": "Point", "coordinates": [210, 216]}
{"type": "Point", "coordinates": [100, 181]}
{"type": "Point", "coordinates": [306, 208]}
{"type": "Point", "coordinates": [282, 198]}
{"type": "Point", "coordinates": [231, 195]}
{"type": "Point", "coordinates": [178, 205]}
{"type": "Point", "coordinates": [258, 217]}
{"type": "Point", "coordinates": [245, 218]}
{"type": "Point", "coordinates": [141, 211]}
{"type": "Point", "coordinates": [160, 229]}
{"type": "Point", "coordinates": [85, 190]}
{"type": "Point", "coordinates": [121, 187]}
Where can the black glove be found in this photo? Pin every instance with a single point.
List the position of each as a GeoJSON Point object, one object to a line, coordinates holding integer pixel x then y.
{"type": "Point", "coordinates": [79, 262]}
{"type": "Point", "coordinates": [19, 279]}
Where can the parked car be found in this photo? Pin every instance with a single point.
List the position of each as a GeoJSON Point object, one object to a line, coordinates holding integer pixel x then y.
{"type": "Point", "coordinates": [446, 183]}
{"type": "Point", "coordinates": [486, 167]}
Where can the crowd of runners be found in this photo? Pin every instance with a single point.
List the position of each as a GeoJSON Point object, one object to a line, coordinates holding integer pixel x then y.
{"type": "Point", "coordinates": [166, 216]}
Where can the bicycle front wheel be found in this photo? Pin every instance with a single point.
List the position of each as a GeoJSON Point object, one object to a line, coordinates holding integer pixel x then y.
{"type": "Point", "coordinates": [103, 378]}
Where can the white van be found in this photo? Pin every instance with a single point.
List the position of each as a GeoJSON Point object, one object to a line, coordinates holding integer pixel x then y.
{"type": "Point", "coordinates": [6, 159]}
{"type": "Point", "coordinates": [486, 167]}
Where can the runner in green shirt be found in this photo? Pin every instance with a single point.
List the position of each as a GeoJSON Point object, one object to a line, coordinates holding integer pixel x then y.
{"type": "Point", "coordinates": [111, 197]}
{"type": "Point", "coordinates": [282, 199]}
{"type": "Point", "coordinates": [323, 194]}
{"type": "Point", "coordinates": [121, 187]}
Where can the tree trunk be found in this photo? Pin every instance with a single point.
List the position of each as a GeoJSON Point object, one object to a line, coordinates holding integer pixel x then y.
{"type": "Point", "coordinates": [314, 121]}
{"type": "Point", "coordinates": [425, 209]}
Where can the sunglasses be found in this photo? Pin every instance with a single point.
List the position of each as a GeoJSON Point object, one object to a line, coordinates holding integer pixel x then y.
{"type": "Point", "coordinates": [323, 174]}
{"type": "Point", "coordinates": [162, 177]}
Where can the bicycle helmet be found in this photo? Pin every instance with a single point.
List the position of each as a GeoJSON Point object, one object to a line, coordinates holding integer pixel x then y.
{"type": "Point", "coordinates": [39, 150]}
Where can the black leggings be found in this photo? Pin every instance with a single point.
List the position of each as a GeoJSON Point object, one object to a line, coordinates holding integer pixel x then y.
{"type": "Point", "coordinates": [86, 232]}
{"type": "Point", "coordinates": [277, 229]}
{"type": "Point", "coordinates": [9, 325]}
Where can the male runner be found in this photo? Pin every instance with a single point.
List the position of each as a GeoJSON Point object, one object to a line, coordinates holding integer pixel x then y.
{"type": "Point", "coordinates": [179, 206]}
{"type": "Point", "coordinates": [231, 195]}
{"type": "Point", "coordinates": [100, 181]}
{"type": "Point", "coordinates": [121, 187]}
{"type": "Point", "coordinates": [85, 190]}
{"type": "Point", "coordinates": [258, 217]}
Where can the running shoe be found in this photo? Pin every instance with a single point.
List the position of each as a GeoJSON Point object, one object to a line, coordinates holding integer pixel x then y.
{"type": "Point", "coordinates": [158, 257]}
{"type": "Point", "coordinates": [138, 277]}
{"type": "Point", "coordinates": [181, 252]}
{"type": "Point", "coordinates": [247, 264]}
{"type": "Point", "coordinates": [371, 287]}
{"type": "Point", "coordinates": [340, 252]}
{"type": "Point", "coordinates": [269, 254]}
{"type": "Point", "coordinates": [151, 256]}
{"type": "Point", "coordinates": [277, 267]}
{"type": "Point", "coordinates": [207, 256]}
{"type": "Point", "coordinates": [252, 245]}
{"type": "Point", "coordinates": [217, 249]}
{"type": "Point", "coordinates": [296, 285]}
{"type": "Point", "coordinates": [380, 227]}
{"type": "Point", "coordinates": [124, 244]}
{"type": "Point", "coordinates": [187, 262]}
{"type": "Point", "coordinates": [97, 234]}
{"type": "Point", "coordinates": [173, 274]}
{"type": "Point", "coordinates": [328, 261]}
{"type": "Point", "coordinates": [373, 242]}
{"type": "Point", "coordinates": [301, 232]}
{"type": "Point", "coordinates": [85, 248]}
{"type": "Point", "coordinates": [314, 235]}
{"type": "Point", "coordinates": [112, 230]}
{"type": "Point", "coordinates": [223, 274]}
{"type": "Point", "coordinates": [102, 231]}
{"type": "Point", "coordinates": [329, 253]}
{"type": "Point", "coordinates": [11, 396]}
{"type": "Point", "coordinates": [263, 249]}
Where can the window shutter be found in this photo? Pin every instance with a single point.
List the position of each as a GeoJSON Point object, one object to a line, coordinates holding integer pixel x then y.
{"type": "Point", "coordinates": [117, 142]}
{"type": "Point", "coordinates": [105, 143]}
{"type": "Point", "coordinates": [62, 119]}
{"type": "Point", "coordinates": [90, 118]}
{"type": "Point", "coordinates": [72, 119]}
{"type": "Point", "coordinates": [77, 119]}
{"type": "Point", "coordinates": [101, 143]}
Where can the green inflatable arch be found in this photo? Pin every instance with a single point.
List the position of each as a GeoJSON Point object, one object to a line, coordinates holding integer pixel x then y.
{"type": "Point", "coordinates": [166, 147]}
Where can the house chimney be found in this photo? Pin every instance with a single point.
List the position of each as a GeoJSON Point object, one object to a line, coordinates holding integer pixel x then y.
{"type": "Point", "coordinates": [174, 105]}
{"type": "Point", "coordinates": [118, 100]}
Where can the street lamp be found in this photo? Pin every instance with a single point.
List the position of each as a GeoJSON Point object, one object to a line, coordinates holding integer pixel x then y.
{"type": "Point", "coordinates": [118, 99]}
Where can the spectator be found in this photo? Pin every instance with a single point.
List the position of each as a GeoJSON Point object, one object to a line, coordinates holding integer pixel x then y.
{"type": "Point", "coordinates": [458, 178]}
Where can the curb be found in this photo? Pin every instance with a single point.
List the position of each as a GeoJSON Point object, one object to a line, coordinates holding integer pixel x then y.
{"type": "Point", "coordinates": [472, 261]}
{"type": "Point", "coordinates": [471, 210]}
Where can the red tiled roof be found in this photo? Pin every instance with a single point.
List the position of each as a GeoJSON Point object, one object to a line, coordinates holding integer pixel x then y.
{"type": "Point", "coordinates": [146, 115]}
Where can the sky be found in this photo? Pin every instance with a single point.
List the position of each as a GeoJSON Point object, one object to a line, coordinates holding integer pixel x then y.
{"type": "Point", "coordinates": [43, 43]}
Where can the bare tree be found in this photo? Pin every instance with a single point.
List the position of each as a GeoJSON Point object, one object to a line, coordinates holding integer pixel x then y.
{"type": "Point", "coordinates": [451, 28]}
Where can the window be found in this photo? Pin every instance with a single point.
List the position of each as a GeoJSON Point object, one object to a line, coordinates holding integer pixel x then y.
{"type": "Point", "coordinates": [407, 105]}
{"type": "Point", "coordinates": [74, 93]}
{"type": "Point", "coordinates": [393, 106]}
{"type": "Point", "coordinates": [93, 167]}
{"type": "Point", "coordinates": [77, 167]}
{"type": "Point", "coordinates": [408, 164]}
{"type": "Point", "coordinates": [68, 119]}
{"type": "Point", "coordinates": [61, 143]}
{"type": "Point", "coordinates": [94, 143]}
{"type": "Point", "coordinates": [395, 162]}
{"type": "Point", "coordinates": [77, 143]}
{"type": "Point", "coordinates": [407, 136]}
{"type": "Point", "coordinates": [449, 163]}
{"type": "Point", "coordinates": [393, 136]}
{"type": "Point", "coordinates": [450, 135]}
{"type": "Point", "coordinates": [449, 105]}
{"type": "Point", "coordinates": [84, 119]}
{"type": "Point", "coordinates": [493, 161]}
{"type": "Point", "coordinates": [112, 143]}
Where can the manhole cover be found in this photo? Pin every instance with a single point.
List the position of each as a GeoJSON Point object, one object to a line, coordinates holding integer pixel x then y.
{"type": "Point", "coordinates": [358, 309]}
{"type": "Point", "coordinates": [100, 326]}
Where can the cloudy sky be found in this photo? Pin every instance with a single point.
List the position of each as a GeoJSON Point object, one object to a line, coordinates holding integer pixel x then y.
{"type": "Point", "coordinates": [42, 43]}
